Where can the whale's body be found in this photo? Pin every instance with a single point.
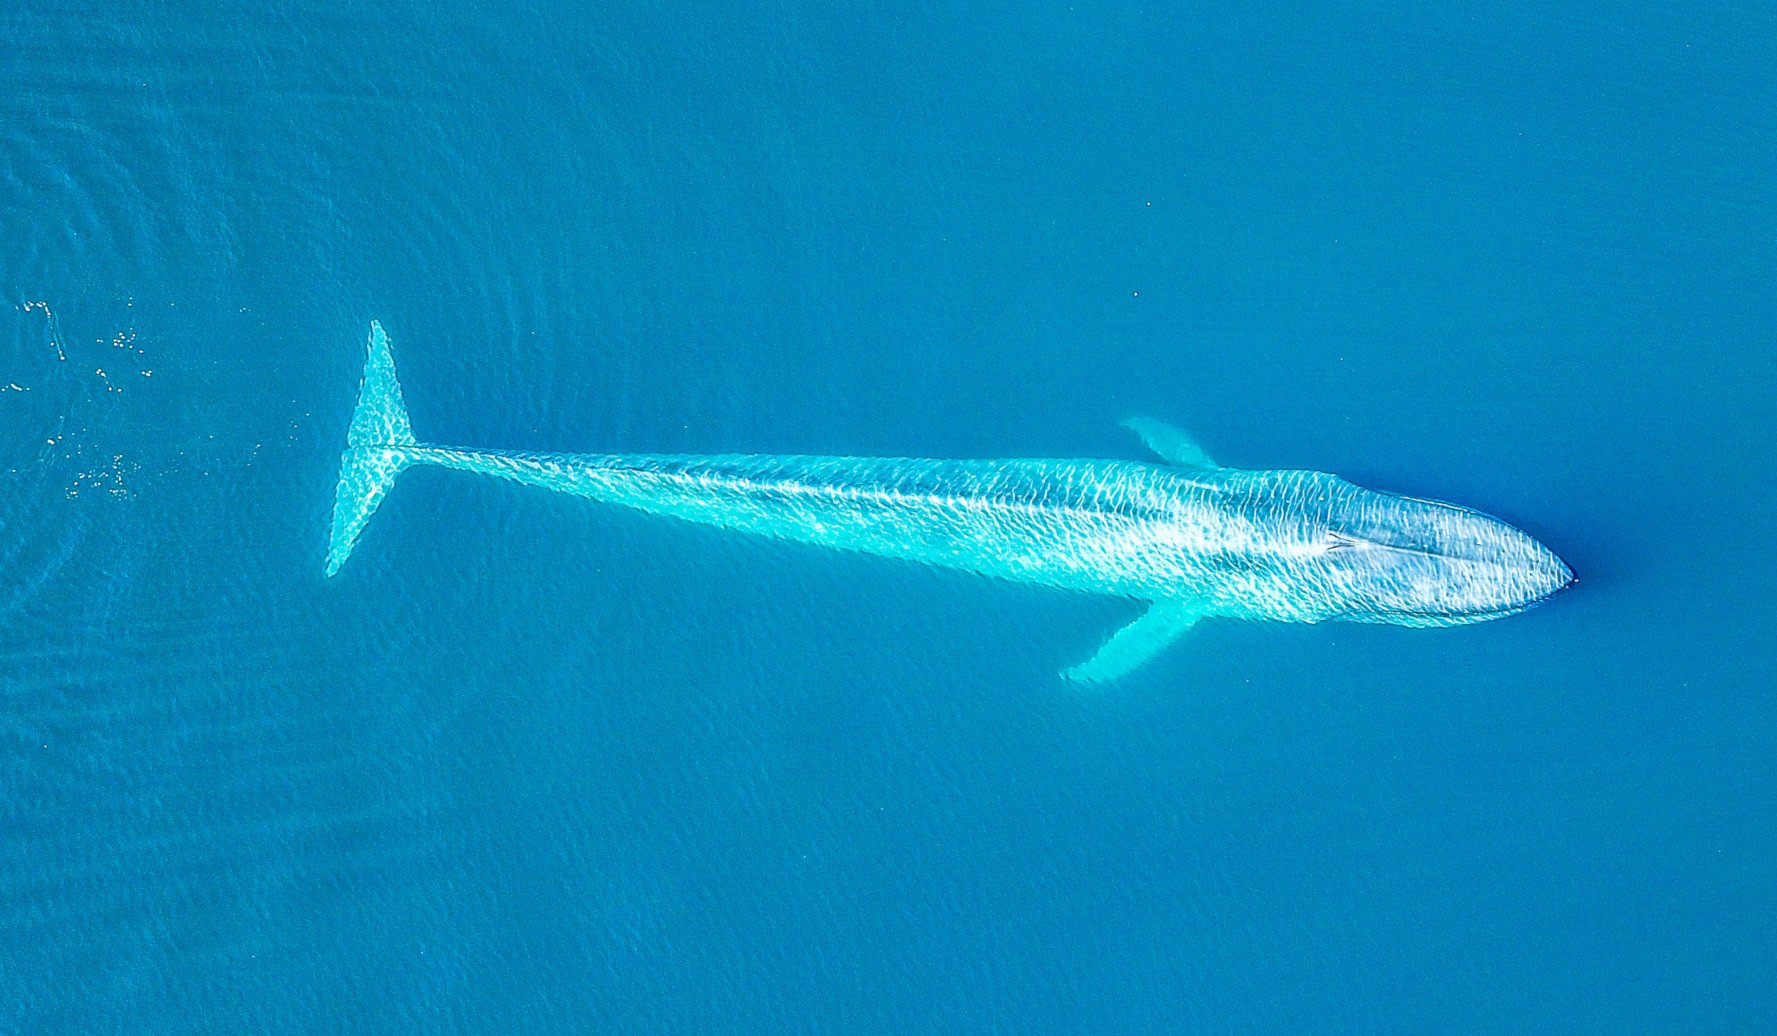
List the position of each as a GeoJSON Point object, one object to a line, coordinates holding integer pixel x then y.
{"type": "Point", "coordinates": [1191, 538]}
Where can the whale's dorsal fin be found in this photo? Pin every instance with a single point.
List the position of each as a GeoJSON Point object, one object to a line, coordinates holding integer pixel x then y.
{"type": "Point", "coordinates": [1163, 623]}
{"type": "Point", "coordinates": [1170, 443]}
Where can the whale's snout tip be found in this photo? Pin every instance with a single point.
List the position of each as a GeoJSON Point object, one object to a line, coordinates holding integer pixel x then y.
{"type": "Point", "coordinates": [1561, 576]}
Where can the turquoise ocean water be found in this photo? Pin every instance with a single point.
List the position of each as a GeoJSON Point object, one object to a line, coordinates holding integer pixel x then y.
{"type": "Point", "coordinates": [529, 764]}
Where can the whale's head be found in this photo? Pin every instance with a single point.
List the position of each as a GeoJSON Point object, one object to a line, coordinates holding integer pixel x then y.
{"type": "Point", "coordinates": [1413, 562]}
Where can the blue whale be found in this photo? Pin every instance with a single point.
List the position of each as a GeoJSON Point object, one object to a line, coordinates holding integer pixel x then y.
{"type": "Point", "coordinates": [1189, 538]}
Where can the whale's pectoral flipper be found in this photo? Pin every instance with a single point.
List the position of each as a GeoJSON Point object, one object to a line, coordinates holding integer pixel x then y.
{"type": "Point", "coordinates": [1170, 443]}
{"type": "Point", "coordinates": [1163, 623]}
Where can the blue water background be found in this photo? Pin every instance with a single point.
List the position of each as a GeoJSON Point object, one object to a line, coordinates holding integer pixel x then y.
{"type": "Point", "coordinates": [530, 764]}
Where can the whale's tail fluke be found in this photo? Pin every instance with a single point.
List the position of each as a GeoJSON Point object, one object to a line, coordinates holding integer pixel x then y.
{"type": "Point", "coordinates": [377, 450]}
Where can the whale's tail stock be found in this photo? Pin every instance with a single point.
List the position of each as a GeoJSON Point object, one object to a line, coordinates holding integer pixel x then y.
{"type": "Point", "coordinates": [377, 450]}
